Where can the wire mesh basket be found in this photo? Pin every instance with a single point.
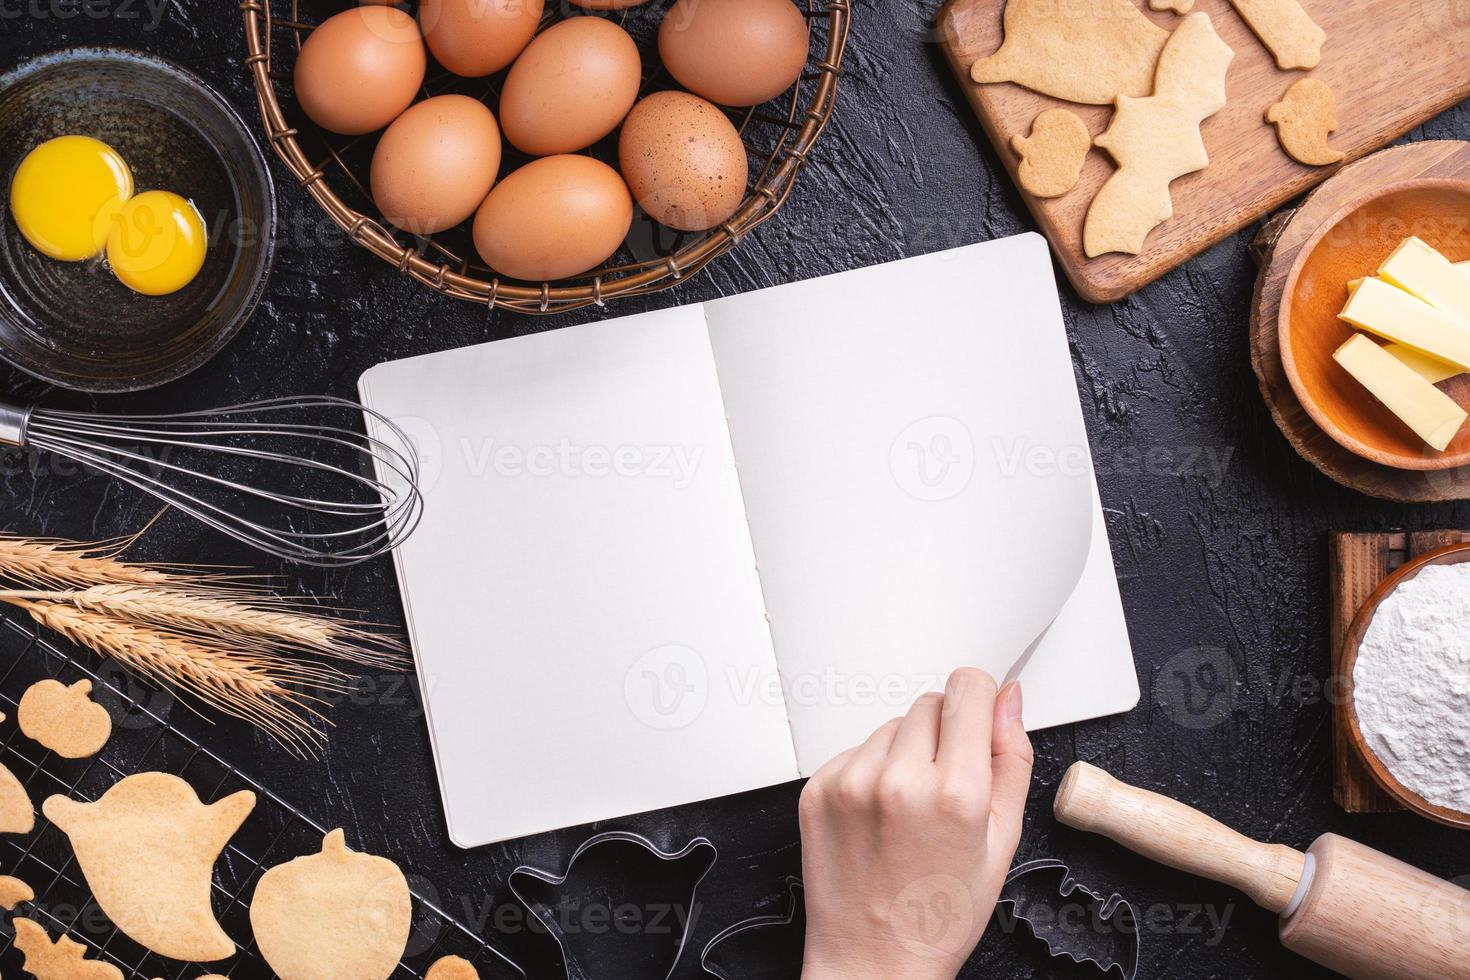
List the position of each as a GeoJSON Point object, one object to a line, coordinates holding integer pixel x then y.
{"type": "Point", "coordinates": [778, 136]}
{"type": "Point", "coordinates": [143, 739]}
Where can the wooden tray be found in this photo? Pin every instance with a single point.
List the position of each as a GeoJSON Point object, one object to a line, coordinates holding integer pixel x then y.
{"type": "Point", "coordinates": [1277, 248]}
{"type": "Point", "coordinates": [1392, 63]}
{"type": "Point", "coordinates": [1359, 562]}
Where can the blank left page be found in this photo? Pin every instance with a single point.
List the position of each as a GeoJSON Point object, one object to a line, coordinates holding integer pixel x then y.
{"type": "Point", "coordinates": [583, 599]}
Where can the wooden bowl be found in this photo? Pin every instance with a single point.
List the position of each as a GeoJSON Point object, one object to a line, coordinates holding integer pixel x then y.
{"type": "Point", "coordinates": [1351, 244]}
{"type": "Point", "coordinates": [1452, 555]}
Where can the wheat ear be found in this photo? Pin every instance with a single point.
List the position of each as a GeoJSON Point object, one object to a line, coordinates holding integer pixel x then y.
{"type": "Point", "coordinates": [212, 619]}
{"type": "Point", "coordinates": [256, 688]}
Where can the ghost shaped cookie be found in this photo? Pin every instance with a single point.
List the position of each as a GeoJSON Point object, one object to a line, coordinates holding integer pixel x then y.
{"type": "Point", "coordinates": [1176, 6]}
{"type": "Point", "coordinates": [63, 960]}
{"type": "Point", "coordinates": [332, 915]}
{"type": "Point", "coordinates": [147, 848]}
{"type": "Point", "coordinates": [1304, 118]}
{"type": "Point", "coordinates": [1052, 156]}
{"type": "Point", "coordinates": [64, 719]}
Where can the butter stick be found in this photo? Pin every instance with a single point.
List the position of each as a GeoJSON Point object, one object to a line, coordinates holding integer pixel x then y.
{"type": "Point", "coordinates": [1421, 406]}
{"type": "Point", "coordinates": [1393, 314]}
{"type": "Point", "coordinates": [1417, 267]}
{"type": "Point", "coordinates": [1430, 369]}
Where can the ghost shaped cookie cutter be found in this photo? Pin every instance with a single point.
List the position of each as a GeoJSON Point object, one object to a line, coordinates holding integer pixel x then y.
{"type": "Point", "coordinates": [1036, 893]}
{"type": "Point", "coordinates": [724, 958]}
{"type": "Point", "coordinates": [617, 915]}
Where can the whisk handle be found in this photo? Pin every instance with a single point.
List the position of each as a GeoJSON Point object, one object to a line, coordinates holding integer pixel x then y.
{"type": "Point", "coordinates": [15, 423]}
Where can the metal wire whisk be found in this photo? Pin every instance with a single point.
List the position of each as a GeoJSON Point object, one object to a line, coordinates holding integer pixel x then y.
{"type": "Point", "coordinates": [272, 474]}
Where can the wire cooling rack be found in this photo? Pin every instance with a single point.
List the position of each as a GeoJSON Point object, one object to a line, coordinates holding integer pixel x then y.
{"type": "Point", "coordinates": [144, 740]}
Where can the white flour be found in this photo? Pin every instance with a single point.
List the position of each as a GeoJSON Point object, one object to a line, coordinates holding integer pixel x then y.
{"type": "Point", "coordinates": [1411, 685]}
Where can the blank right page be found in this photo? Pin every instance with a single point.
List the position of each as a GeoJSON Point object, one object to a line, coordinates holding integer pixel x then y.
{"type": "Point", "coordinates": [915, 471]}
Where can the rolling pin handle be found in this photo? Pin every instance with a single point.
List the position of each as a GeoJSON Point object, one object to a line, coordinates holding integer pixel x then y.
{"type": "Point", "coordinates": [1171, 833]}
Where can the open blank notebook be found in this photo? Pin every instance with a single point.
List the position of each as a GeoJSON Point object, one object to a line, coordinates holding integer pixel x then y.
{"type": "Point", "coordinates": [692, 552]}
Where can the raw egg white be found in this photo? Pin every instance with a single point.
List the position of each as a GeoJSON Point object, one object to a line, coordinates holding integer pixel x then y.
{"type": "Point", "coordinates": [683, 160]}
{"type": "Point", "coordinates": [64, 194]}
{"type": "Point", "coordinates": [734, 52]}
{"type": "Point", "coordinates": [436, 163]}
{"type": "Point", "coordinates": [571, 87]}
{"type": "Point", "coordinates": [478, 37]}
{"type": "Point", "coordinates": [359, 69]}
{"type": "Point", "coordinates": [553, 218]}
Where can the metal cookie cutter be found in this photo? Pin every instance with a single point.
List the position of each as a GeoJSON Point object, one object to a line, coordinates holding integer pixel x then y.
{"type": "Point", "coordinates": [1090, 928]}
{"type": "Point", "coordinates": [603, 926]}
{"type": "Point", "coordinates": [764, 947]}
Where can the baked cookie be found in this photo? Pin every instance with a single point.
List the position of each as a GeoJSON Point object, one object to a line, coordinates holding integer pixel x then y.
{"type": "Point", "coordinates": [1157, 139]}
{"type": "Point", "coordinates": [332, 915]}
{"type": "Point", "coordinates": [64, 719]}
{"type": "Point", "coordinates": [452, 968]}
{"type": "Point", "coordinates": [13, 891]}
{"type": "Point", "coordinates": [63, 960]}
{"type": "Point", "coordinates": [1286, 30]}
{"type": "Point", "coordinates": [147, 848]}
{"type": "Point", "coordinates": [1052, 156]}
{"type": "Point", "coordinates": [1088, 51]}
{"type": "Point", "coordinates": [1304, 118]}
{"type": "Point", "coordinates": [17, 813]}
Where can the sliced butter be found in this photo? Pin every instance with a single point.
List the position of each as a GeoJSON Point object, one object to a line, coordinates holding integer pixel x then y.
{"type": "Point", "coordinates": [1430, 369]}
{"type": "Point", "coordinates": [1395, 315]}
{"type": "Point", "coordinates": [1431, 413]}
{"type": "Point", "coordinates": [1417, 267]}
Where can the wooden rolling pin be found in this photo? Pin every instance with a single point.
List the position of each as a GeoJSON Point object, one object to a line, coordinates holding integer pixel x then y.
{"type": "Point", "coordinates": [1345, 906]}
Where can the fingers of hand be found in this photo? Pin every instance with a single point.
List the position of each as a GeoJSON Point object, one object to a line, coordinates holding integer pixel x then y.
{"type": "Point", "coordinates": [1011, 762]}
{"type": "Point", "coordinates": [966, 724]}
{"type": "Point", "coordinates": [917, 740]}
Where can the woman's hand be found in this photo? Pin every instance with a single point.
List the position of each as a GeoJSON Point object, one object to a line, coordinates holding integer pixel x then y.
{"type": "Point", "coordinates": [906, 839]}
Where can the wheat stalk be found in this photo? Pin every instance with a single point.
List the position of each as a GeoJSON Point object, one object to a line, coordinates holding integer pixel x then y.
{"type": "Point", "coordinates": [211, 618]}
{"type": "Point", "coordinates": [218, 637]}
{"type": "Point", "coordinates": [256, 688]}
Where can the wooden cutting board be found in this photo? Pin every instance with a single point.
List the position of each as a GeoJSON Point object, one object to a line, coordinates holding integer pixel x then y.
{"type": "Point", "coordinates": [1359, 563]}
{"type": "Point", "coordinates": [1392, 63]}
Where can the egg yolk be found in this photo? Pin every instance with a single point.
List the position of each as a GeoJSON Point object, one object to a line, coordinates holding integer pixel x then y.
{"type": "Point", "coordinates": [64, 194]}
{"type": "Point", "coordinates": [156, 243]}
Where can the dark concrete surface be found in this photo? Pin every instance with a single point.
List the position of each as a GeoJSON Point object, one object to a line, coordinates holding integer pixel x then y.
{"type": "Point", "coordinates": [1218, 528]}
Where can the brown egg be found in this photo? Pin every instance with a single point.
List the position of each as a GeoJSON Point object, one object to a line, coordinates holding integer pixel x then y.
{"type": "Point", "coordinates": [553, 218]}
{"type": "Point", "coordinates": [478, 37]}
{"type": "Point", "coordinates": [436, 163]}
{"type": "Point", "coordinates": [359, 69]}
{"type": "Point", "coordinates": [734, 52]}
{"type": "Point", "coordinates": [570, 87]}
{"type": "Point", "coordinates": [683, 160]}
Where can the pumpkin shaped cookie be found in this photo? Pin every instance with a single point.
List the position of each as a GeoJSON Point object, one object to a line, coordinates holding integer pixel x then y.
{"type": "Point", "coordinates": [64, 719]}
{"type": "Point", "coordinates": [332, 915]}
{"type": "Point", "coordinates": [147, 848]}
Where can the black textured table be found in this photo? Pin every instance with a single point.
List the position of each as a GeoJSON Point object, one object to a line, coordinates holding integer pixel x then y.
{"type": "Point", "coordinates": [1218, 529]}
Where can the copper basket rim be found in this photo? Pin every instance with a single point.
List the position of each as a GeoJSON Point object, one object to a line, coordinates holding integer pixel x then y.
{"type": "Point", "coordinates": [804, 123]}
